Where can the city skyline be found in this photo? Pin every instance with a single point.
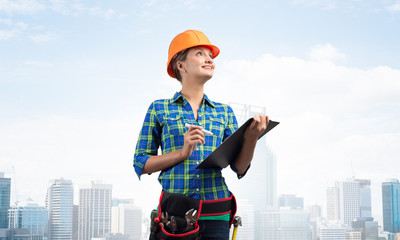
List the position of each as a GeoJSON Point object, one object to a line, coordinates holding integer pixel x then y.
{"type": "Point", "coordinates": [77, 77]}
{"type": "Point", "coordinates": [289, 220]}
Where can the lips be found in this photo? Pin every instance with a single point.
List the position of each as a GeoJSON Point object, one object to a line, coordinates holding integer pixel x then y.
{"type": "Point", "coordinates": [209, 67]}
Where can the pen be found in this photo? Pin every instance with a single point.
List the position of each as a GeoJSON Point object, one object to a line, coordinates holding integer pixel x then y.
{"type": "Point", "coordinates": [206, 132]}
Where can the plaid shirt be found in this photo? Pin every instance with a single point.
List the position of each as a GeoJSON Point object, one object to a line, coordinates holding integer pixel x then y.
{"type": "Point", "coordinates": [164, 125]}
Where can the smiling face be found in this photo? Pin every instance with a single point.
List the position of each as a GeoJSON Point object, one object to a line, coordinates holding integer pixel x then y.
{"type": "Point", "coordinates": [198, 64]}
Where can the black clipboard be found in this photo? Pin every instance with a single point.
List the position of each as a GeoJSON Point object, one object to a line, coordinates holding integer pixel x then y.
{"type": "Point", "coordinates": [222, 156]}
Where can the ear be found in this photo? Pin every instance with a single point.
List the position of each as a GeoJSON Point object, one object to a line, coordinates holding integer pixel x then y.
{"type": "Point", "coordinates": [181, 66]}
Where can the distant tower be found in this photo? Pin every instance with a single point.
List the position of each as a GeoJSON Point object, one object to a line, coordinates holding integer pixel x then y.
{"type": "Point", "coordinates": [263, 166]}
{"type": "Point", "coordinates": [127, 220]}
{"type": "Point", "coordinates": [5, 192]}
{"type": "Point", "coordinates": [291, 200]}
{"type": "Point", "coordinates": [246, 212]}
{"type": "Point", "coordinates": [344, 201]}
{"type": "Point", "coordinates": [365, 197]}
{"type": "Point", "coordinates": [94, 210]}
{"type": "Point", "coordinates": [31, 216]}
{"type": "Point", "coordinates": [333, 233]}
{"type": "Point", "coordinates": [391, 205]}
{"type": "Point", "coordinates": [332, 209]}
{"type": "Point", "coordinates": [59, 202]}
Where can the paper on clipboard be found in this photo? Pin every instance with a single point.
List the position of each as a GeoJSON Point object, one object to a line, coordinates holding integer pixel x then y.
{"type": "Point", "coordinates": [222, 156]}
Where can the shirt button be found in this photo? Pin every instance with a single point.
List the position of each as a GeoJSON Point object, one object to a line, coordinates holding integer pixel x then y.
{"type": "Point", "coordinates": [199, 115]}
{"type": "Point", "coordinates": [197, 162]}
{"type": "Point", "coordinates": [199, 123]}
{"type": "Point", "coordinates": [198, 175]}
{"type": "Point", "coordinates": [197, 148]}
{"type": "Point", "coordinates": [197, 189]}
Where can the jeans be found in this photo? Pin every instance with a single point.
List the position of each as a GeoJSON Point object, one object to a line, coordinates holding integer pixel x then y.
{"type": "Point", "coordinates": [214, 229]}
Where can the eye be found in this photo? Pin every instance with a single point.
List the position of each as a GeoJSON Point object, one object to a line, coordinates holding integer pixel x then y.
{"type": "Point", "coordinates": [199, 53]}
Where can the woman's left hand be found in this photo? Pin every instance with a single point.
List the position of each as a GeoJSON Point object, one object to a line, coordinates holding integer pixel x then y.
{"type": "Point", "coordinates": [257, 127]}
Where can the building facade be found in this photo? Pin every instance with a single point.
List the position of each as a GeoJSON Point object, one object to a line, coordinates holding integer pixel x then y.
{"type": "Point", "coordinates": [30, 216]}
{"type": "Point", "coordinates": [95, 202]}
{"type": "Point", "coordinates": [5, 193]}
{"type": "Point", "coordinates": [59, 202]}
{"type": "Point", "coordinates": [127, 220]}
{"type": "Point", "coordinates": [391, 205]}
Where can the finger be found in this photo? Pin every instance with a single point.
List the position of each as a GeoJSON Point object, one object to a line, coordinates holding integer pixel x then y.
{"type": "Point", "coordinates": [255, 121]}
{"type": "Point", "coordinates": [196, 132]}
{"type": "Point", "coordinates": [194, 127]}
{"type": "Point", "coordinates": [197, 139]}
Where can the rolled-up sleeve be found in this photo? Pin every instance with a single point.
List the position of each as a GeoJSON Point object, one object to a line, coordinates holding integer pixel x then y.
{"type": "Point", "coordinates": [149, 140]}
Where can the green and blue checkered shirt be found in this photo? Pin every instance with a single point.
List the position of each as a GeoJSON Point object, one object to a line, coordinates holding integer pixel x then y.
{"type": "Point", "coordinates": [164, 125]}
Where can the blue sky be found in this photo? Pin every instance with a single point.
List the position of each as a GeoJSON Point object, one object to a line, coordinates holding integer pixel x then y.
{"type": "Point", "coordinates": [76, 78]}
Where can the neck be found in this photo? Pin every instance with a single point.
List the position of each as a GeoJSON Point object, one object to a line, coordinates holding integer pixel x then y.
{"type": "Point", "coordinates": [193, 93]}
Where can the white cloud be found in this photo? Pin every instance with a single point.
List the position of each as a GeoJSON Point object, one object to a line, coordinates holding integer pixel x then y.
{"type": "Point", "coordinates": [322, 4]}
{"type": "Point", "coordinates": [43, 38]}
{"type": "Point", "coordinates": [7, 35]}
{"type": "Point", "coordinates": [330, 115]}
{"type": "Point", "coordinates": [325, 52]}
{"type": "Point", "coordinates": [39, 63]}
{"type": "Point", "coordinates": [21, 6]}
{"type": "Point", "coordinates": [394, 7]}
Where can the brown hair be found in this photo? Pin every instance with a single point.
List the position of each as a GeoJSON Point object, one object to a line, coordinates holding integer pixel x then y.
{"type": "Point", "coordinates": [180, 56]}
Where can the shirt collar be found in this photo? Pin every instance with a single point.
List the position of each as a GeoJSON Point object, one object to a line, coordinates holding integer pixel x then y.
{"type": "Point", "coordinates": [178, 96]}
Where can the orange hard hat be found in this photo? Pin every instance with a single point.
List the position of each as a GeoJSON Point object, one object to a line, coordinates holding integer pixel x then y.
{"type": "Point", "coordinates": [185, 40]}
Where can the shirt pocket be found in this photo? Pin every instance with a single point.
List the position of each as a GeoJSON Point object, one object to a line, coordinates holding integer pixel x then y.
{"type": "Point", "coordinates": [175, 125]}
{"type": "Point", "coordinates": [217, 126]}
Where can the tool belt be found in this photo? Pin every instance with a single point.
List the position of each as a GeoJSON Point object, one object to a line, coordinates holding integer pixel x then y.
{"type": "Point", "coordinates": [177, 215]}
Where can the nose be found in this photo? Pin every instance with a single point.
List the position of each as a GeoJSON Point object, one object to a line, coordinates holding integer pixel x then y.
{"type": "Point", "coordinates": [209, 59]}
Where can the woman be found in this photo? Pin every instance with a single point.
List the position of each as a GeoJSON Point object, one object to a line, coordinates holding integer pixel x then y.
{"type": "Point", "coordinates": [191, 61]}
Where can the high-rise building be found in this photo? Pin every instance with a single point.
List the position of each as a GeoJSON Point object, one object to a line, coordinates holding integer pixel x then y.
{"type": "Point", "coordinates": [31, 216]}
{"type": "Point", "coordinates": [291, 200]}
{"type": "Point", "coordinates": [332, 233]}
{"type": "Point", "coordinates": [269, 224]}
{"type": "Point", "coordinates": [127, 220]}
{"type": "Point", "coordinates": [367, 227]}
{"type": "Point", "coordinates": [5, 193]}
{"type": "Point", "coordinates": [59, 202]}
{"type": "Point", "coordinates": [294, 224]}
{"type": "Point", "coordinates": [75, 222]}
{"type": "Point", "coordinates": [347, 200]}
{"type": "Point", "coordinates": [246, 212]}
{"type": "Point", "coordinates": [284, 224]}
{"type": "Point", "coordinates": [94, 210]}
{"type": "Point", "coordinates": [314, 211]}
{"type": "Point", "coordinates": [365, 198]}
{"type": "Point", "coordinates": [263, 167]}
{"type": "Point", "coordinates": [391, 205]}
{"type": "Point", "coordinates": [353, 235]}
{"type": "Point", "coordinates": [332, 205]}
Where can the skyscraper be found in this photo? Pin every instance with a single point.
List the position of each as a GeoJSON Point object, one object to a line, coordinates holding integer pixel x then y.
{"type": "Point", "coordinates": [344, 200]}
{"type": "Point", "coordinates": [290, 200]}
{"type": "Point", "coordinates": [332, 205]}
{"type": "Point", "coordinates": [365, 198]}
{"type": "Point", "coordinates": [59, 202]}
{"type": "Point", "coordinates": [332, 233]}
{"type": "Point", "coordinates": [5, 193]}
{"type": "Point", "coordinates": [127, 219]}
{"type": "Point", "coordinates": [367, 227]}
{"type": "Point", "coordinates": [263, 166]}
{"type": "Point", "coordinates": [94, 210]}
{"type": "Point", "coordinates": [391, 205]}
{"type": "Point", "coordinates": [31, 216]}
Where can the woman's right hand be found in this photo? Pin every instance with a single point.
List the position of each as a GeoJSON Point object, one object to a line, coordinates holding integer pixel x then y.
{"type": "Point", "coordinates": [193, 136]}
